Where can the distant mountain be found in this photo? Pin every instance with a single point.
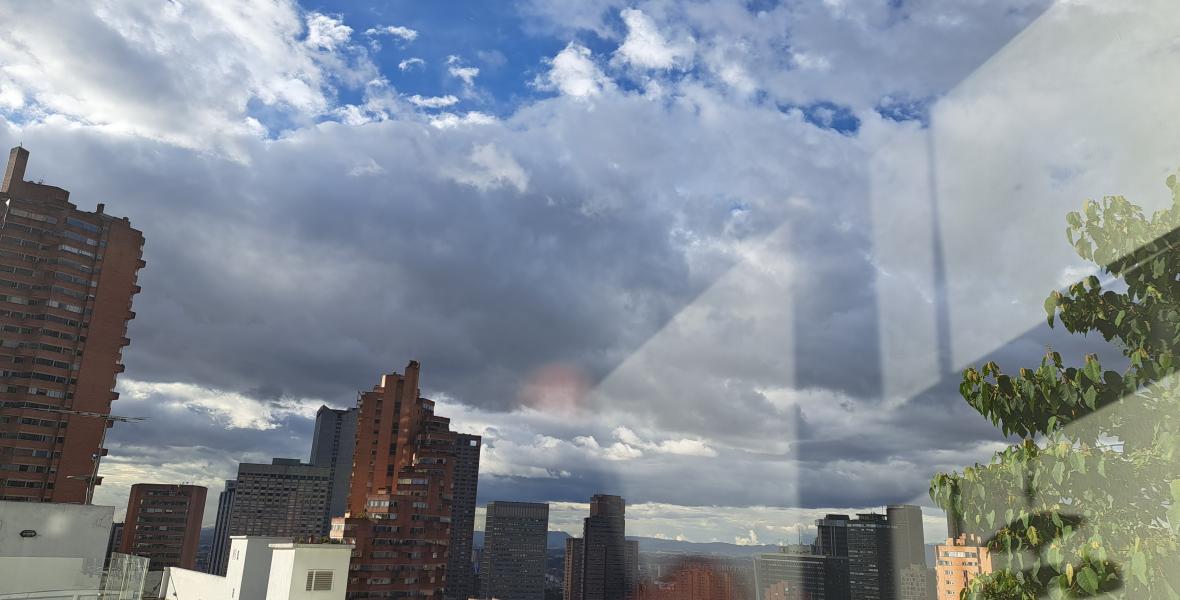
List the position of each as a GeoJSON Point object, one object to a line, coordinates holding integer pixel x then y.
{"type": "Point", "coordinates": [557, 539]}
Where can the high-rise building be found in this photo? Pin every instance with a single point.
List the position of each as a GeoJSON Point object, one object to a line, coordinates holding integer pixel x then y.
{"type": "Point", "coordinates": [604, 560]}
{"type": "Point", "coordinates": [400, 497]}
{"type": "Point", "coordinates": [460, 577]}
{"type": "Point", "coordinates": [800, 575]}
{"type": "Point", "coordinates": [572, 583]}
{"type": "Point", "coordinates": [286, 499]}
{"type": "Point", "coordinates": [67, 278]}
{"type": "Point", "coordinates": [113, 542]}
{"type": "Point", "coordinates": [832, 535]}
{"type": "Point", "coordinates": [631, 565]}
{"type": "Point", "coordinates": [908, 548]}
{"type": "Point", "coordinates": [219, 552]}
{"type": "Point", "coordinates": [163, 523]}
{"type": "Point", "coordinates": [870, 563]}
{"type": "Point", "coordinates": [908, 543]}
{"type": "Point", "coordinates": [916, 582]}
{"type": "Point", "coordinates": [513, 559]}
{"type": "Point", "coordinates": [331, 447]}
{"type": "Point", "coordinates": [959, 561]}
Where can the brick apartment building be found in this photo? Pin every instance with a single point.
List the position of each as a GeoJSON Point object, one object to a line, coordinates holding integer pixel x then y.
{"type": "Point", "coordinates": [163, 523]}
{"type": "Point", "coordinates": [401, 493]}
{"type": "Point", "coordinates": [67, 278]}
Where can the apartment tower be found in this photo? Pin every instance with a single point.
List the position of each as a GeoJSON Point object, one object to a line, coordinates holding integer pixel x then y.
{"type": "Point", "coordinates": [285, 499]}
{"type": "Point", "coordinates": [67, 278]}
{"type": "Point", "coordinates": [959, 561]}
{"type": "Point", "coordinates": [400, 497]}
{"type": "Point", "coordinates": [512, 566]}
{"type": "Point", "coordinates": [163, 523]}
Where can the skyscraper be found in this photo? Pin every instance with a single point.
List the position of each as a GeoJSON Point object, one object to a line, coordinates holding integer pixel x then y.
{"type": "Point", "coordinates": [163, 523]}
{"type": "Point", "coordinates": [331, 447]}
{"type": "Point", "coordinates": [399, 502]}
{"type": "Point", "coordinates": [908, 550]}
{"type": "Point", "coordinates": [512, 566]}
{"type": "Point", "coordinates": [604, 561]}
{"type": "Point", "coordinates": [67, 278]}
{"type": "Point", "coordinates": [284, 499]}
{"type": "Point", "coordinates": [460, 578]}
{"type": "Point", "coordinates": [908, 543]}
{"type": "Point", "coordinates": [572, 583]}
{"type": "Point", "coordinates": [800, 575]}
{"type": "Point", "coordinates": [832, 535]}
{"type": "Point", "coordinates": [870, 564]}
{"type": "Point", "coordinates": [219, 552]}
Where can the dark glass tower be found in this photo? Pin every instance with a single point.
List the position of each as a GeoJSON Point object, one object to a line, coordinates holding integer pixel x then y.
{"type": "Point", "coordinates": [604, 553]}
{"type": "Point", "coordinates": [331, 447]}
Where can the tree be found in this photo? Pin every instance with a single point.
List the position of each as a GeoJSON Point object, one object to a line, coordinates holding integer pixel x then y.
{"type": "Point", "coordinates": [1088, 502]}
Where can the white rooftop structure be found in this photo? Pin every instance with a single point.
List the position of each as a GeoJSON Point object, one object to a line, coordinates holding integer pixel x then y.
{"type": "Point", "coordinates": [267, 568]}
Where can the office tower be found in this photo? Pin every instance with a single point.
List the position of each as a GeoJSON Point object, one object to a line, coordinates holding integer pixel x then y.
{"type": "Point", "coordinates": [163, 523]}
{"type": "Point", "coordinates": [572, 583]}
{"type": "Point", "coordinates": [331, 447]}
{"type": "Point", "coordinates": [286, 499]}
{"type": "Point", "coordinates": [512, 566]}
{"type": "Point", "coordinates": [916, 582]}
{"type": "Point", "coordinates": [399, 501]}
{"type": "Point", "coordinates": [832, 535]}
{"type": "Point", "coordinates": [631, 565]}
{"type": "Point", "coordinates": [800, 575]}
{"type": "Point", "coordinates": [908, 543]}
{"type": "Point", "coordinates": [870, 571]}
{"type": "Point", "coordinates": [958, 561]}
{"type": "Point", "coordinates": [113, 542]}
{"type": "Point", "coordinates": [604, 561]}
{"type": "Point", "coordinates": [460, 577]}
{"type": "Point", "coordinates": [67, 278]}
{"type": "Point", "coordinates": [219, 552]}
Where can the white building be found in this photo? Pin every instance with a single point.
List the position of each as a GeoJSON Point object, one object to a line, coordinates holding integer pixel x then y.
{"type": "Point", "coordinates": [52, 550]}
{"type": "Point", "coordinates": [267, 569]}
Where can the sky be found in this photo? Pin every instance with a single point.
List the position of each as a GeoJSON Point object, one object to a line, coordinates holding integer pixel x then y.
{"type": "Point", "coordinates": [722, 258]}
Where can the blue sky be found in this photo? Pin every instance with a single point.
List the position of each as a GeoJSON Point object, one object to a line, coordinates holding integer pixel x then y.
{"type": "Point", "coordinates": [721, 258]}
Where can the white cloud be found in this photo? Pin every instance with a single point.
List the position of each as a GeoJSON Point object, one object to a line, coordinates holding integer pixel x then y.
{"type": "Point", "coordinates": [646, 47]}
{"type": "Point", "coordinates": [490, 168]}
{"type": "Point", "coordinates": [185, 73]}
{"type": "Point", "coordinates": [326, 32]}
{"type": "Point", "coordinates": [457, 70]}
{"type": "Point", "coordinates": [397, 31]}
{"type": "Point", "coordinates": [574, 73]}
{"type": "Point", "coordinates": [232, 409]}
{"type": "Point", "coordinates": [410, 63]}
{"type": "Point", "coordinates": [433, 101]}
{"type": "Point", "coordinates": [449, 120]}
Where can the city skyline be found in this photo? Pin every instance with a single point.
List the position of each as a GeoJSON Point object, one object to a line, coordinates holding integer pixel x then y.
{"type": "Point", "coordinates": [715, 335]}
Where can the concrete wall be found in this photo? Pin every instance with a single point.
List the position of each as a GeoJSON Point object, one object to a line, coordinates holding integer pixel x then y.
{"type": "Point", "coordinates": [182, 584]}
{"type": "Point", "coordinates": [66, 553]}
{"type": "Point", "coordinates": [291, 563]}
{"type": "Point", "coordinates": [248, 569]}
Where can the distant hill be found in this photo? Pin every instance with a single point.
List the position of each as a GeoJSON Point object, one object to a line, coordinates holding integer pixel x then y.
{"type": "Point", "coordinates": [646, 544]}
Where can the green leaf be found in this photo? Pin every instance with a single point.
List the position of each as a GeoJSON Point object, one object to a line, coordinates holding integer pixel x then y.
{"type": "Point", "coordinates": [1139, 566]}
{"type": "Point", "coordinates": [1088, 580]}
